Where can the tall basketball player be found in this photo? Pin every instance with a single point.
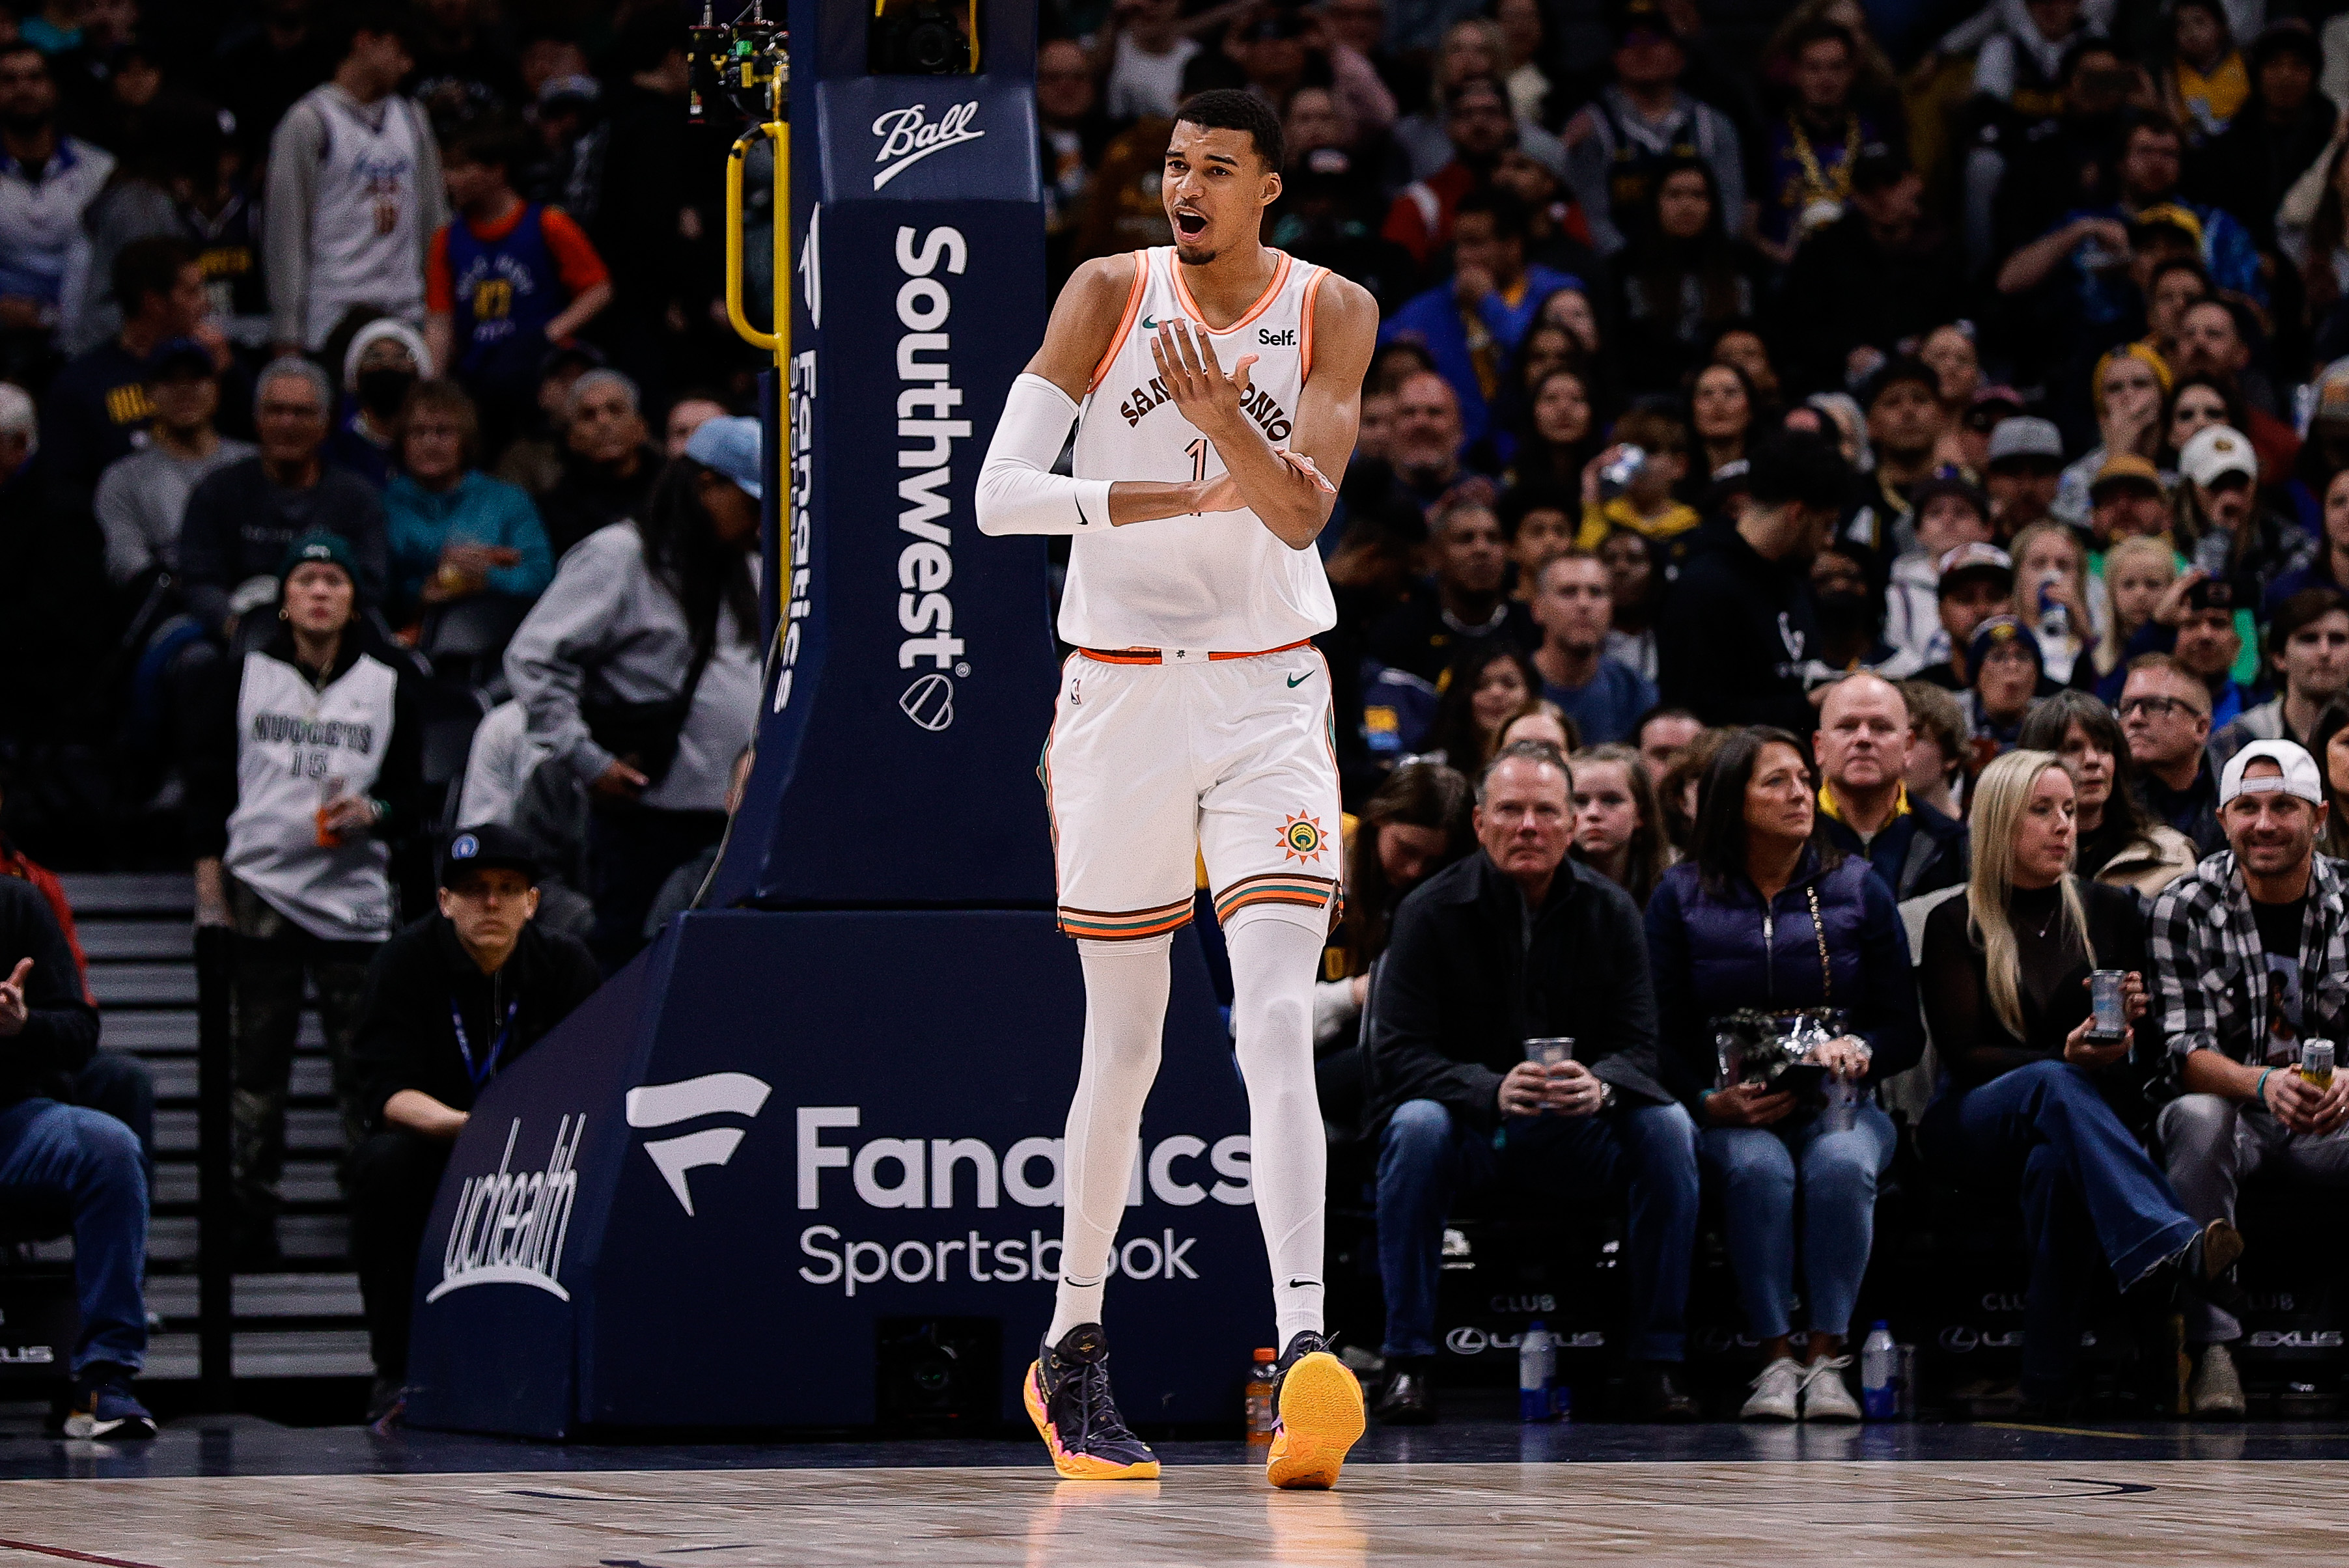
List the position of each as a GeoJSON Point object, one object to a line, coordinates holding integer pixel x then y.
{"type": "Point", "coordinates": [1215, 385]}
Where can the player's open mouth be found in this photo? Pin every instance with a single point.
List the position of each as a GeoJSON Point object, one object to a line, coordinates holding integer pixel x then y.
{"type": "Point", "coordinates": [1190, 225]}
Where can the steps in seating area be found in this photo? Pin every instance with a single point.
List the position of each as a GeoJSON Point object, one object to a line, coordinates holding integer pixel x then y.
{"type": "Point", "coordinates": [302, 1320]}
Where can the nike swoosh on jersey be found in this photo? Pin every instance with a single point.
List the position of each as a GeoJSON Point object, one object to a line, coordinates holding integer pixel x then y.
{"type": "Point", "coordinates": [1297, 680]}
{"type": "Point", "coordinates": [1150, 323]}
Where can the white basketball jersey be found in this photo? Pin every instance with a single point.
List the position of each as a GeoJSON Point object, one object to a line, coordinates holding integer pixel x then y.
{"type": "Point", "coordinates": [1216, 584]}
{"type": "Point", "coordinates": [367, 243]}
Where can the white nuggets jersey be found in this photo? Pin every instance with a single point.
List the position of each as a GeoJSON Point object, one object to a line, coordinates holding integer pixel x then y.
{"type": "Point", "coordinates": [1220, 583]}
{"type": "Point", "coordinates": [367, 239]}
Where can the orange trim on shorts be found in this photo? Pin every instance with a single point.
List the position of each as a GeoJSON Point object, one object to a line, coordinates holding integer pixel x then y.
{"type": "Point", "coordinates": [1153, 656]}
{"type": "Point", "coordinates": [1125, 323]}
{"type": "Point", "coordinates": [1305, 331]}
{"type": "Point", "coordinates": [1191, 306]}
{"type": "Point", "coordinates": [1126, 925]}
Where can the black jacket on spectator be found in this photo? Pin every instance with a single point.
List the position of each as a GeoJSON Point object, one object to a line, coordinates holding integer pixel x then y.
{"type": "Point", "coordinates": [1920, 851]}
{"type": "Point", "coordinates": [589, 496]}
{"type": "Point", "coordinates": [240, 523]}
{"type": "Point", "coordinates": [60, 1026]}
{"type": "Point", "coordinates": [406, 1038]}
{"type": "Point", "coordinates": [1845, 289]}
{"type": "Point", "coordinates": [1735, 632]}
{"type": "Point", "coordinates": [89, 414]}
{"type": "Point", "coordinates": [1470, 974]}
{"type": "Point", "coordinates": [1419, 636]}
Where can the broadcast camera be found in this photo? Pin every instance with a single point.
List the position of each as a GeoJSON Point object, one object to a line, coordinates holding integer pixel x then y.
{"type": "Point", "coordinates": [923, 38]}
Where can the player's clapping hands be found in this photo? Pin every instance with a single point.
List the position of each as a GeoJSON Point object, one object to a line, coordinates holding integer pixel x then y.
{"type": "Point", "coordinates": [1187, 369]}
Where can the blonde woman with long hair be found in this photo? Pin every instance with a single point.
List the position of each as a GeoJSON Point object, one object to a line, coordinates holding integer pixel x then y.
{"type": "Point", "coordinates": [2038, 1106]}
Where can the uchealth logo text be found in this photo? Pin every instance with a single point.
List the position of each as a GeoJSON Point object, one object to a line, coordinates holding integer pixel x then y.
{"type": "Point", "coordinates": [909, 135]}
{"type": "Point", "coordinates": [798, 597]}
{"type": "Point", "coordinates": [510, 1225]}
{"type": "Point", "coordinates": [948, 1173]}
{"type": "Point", "coordinates": [925, 610]}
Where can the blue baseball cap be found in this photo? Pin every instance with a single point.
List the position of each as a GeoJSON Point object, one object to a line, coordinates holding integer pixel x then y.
{"type": "Point", "coordinates": [729, 445]}
{"type": "Point", "coordinates": [181, 354]}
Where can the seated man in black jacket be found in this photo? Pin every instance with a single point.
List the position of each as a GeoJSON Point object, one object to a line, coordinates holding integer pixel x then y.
{"type": "Point", "coordinates": [68, 1168]}
{"type": "Point", "coordinates": [1511, 944]}
{"type": "Point", "coordinates": [450, 1002]}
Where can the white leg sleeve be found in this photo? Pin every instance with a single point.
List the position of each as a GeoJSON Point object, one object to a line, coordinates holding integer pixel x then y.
{"type": "Point", "coordinates": [1125, 1019]}
{"type": "Point", "coordinates": [1275, 956]}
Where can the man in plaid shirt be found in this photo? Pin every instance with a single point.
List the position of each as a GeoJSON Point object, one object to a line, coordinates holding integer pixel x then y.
{"type": "Point", "coordinates": [2249, 961]}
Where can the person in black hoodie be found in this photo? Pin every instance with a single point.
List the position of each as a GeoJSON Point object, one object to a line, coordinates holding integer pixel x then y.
{"type": "Point", "coordinates": [1514, 943]}
{"type": "Point", "coordinates": [310, 762]}
{"type": "Point", "coordinates": [450, 1002]}
{"type": "Point", "coordinates": [65, 1167]}
{"type": "Point", "coordinates": [1738, 641]}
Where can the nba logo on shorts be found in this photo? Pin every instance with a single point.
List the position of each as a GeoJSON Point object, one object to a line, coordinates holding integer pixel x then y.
{"type": "Point", "coordinates": [929, 702]}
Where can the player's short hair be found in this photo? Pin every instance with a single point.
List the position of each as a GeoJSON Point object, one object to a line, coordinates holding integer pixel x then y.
{"type": "Point", "coordinates": [600, 377]}
{"type": "Point", "coordinates": [377, 19]}
{"type": "Point", "coordinates": [1227, 109]}
{"type": "Point", "coordinates": [1573, 553]}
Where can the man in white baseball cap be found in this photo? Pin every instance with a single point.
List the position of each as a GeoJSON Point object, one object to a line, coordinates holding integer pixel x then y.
{"type": "Point", "coordinates": [2249, 965]}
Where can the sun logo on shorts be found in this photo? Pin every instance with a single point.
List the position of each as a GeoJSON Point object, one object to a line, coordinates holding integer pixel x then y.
{"type": "Point", "coordinates": [1300, 838]}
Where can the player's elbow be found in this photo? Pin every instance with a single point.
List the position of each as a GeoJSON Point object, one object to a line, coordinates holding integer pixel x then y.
{"type": "Point", "coordinates": [994, 500]}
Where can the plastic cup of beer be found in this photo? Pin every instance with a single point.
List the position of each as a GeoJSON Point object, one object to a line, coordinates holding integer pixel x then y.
{"type": "Point", "coordinates": [1549, 1050]}
{"type": "Point", "coordinates": [2108, 1017]}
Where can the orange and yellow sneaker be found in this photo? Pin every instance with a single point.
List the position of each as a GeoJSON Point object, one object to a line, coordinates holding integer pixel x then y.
{"type": "Point", "coordinates": [1317, 1403]}
{"type": "Point", "coordinates": [1067, 1396]}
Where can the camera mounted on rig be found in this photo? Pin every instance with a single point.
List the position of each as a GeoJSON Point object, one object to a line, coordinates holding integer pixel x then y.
{"type": "Point", "coordinates": [743, 65]}
{"type": "Point", "coordinates": [923, 38]}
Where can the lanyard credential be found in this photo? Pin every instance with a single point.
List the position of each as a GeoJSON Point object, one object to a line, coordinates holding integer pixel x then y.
{"type": "Point", "coordinates": [488, 1069]}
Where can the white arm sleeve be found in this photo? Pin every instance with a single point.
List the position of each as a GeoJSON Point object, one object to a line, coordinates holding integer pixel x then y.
{"type": "Point", "coordinates": [1018, 490]}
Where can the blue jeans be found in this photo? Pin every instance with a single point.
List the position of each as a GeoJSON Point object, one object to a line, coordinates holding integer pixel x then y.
{"type": "Point", "coordinates": [1646, 1153]}
{"type": "Point", "coordinates": [65, 1167]}
{"type": "Point", "coordinates": [2042, 1132]}
{"type": "Point", "coordinates": [1761, 1169]}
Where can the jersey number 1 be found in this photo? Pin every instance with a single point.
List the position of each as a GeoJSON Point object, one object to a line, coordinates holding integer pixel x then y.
{"type": "Point", "coordinates": [1198, 451]}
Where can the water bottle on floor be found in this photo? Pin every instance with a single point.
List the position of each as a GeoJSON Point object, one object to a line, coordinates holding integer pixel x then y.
{"type": "Point", "coordinates": [1879, 1399]}
{"type": "Point", "coordinates": [1537, 1371]}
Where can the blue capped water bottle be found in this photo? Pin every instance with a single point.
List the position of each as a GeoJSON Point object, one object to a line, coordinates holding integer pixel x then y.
{"type": "Point", "coordinates": [1879, 1396]}
{"type": "Point", "coordinates": [1537, 1371]}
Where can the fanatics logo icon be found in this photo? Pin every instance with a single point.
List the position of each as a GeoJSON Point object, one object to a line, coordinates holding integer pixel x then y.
{"type": "Point", "coordinates": [1301, 839]}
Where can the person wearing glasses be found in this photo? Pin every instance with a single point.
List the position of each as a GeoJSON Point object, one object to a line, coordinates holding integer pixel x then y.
{"type": "Point", "coordinates": [2165, 710]}
{"type": "Point", "coordinates": [1765, 917]}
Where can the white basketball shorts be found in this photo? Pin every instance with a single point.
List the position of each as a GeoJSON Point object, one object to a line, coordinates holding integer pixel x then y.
{"type": "Point", "coordinates": [1157, 760]}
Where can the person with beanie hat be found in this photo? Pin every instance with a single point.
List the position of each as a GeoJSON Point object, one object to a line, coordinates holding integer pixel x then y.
{"type": "Point", "coordinates": [386, 359]}
{"type": "Point", "coordinates": [2004, 668]}
{"type": "Point", "coordinates": [309, 761]}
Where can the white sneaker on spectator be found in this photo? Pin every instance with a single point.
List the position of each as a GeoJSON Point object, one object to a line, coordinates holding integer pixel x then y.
{"type": "Point", "coordinates": [1774, 1393]}
{"type": "Point", "coordinates": [1824, 1396]}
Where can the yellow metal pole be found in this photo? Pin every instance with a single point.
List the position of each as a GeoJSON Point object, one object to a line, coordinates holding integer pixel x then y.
{"type": "Point", "coordinates": [743, 327]}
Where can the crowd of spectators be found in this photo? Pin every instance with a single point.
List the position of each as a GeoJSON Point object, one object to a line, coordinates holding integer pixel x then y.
{"type": "Point", "coordinates": [1820, 462]}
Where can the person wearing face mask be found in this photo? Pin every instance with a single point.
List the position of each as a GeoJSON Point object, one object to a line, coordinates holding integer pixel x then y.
{"type": "Point", "coordinates": [386, 359]}
{"type": "Point", "coordinates": [1849, 638]}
